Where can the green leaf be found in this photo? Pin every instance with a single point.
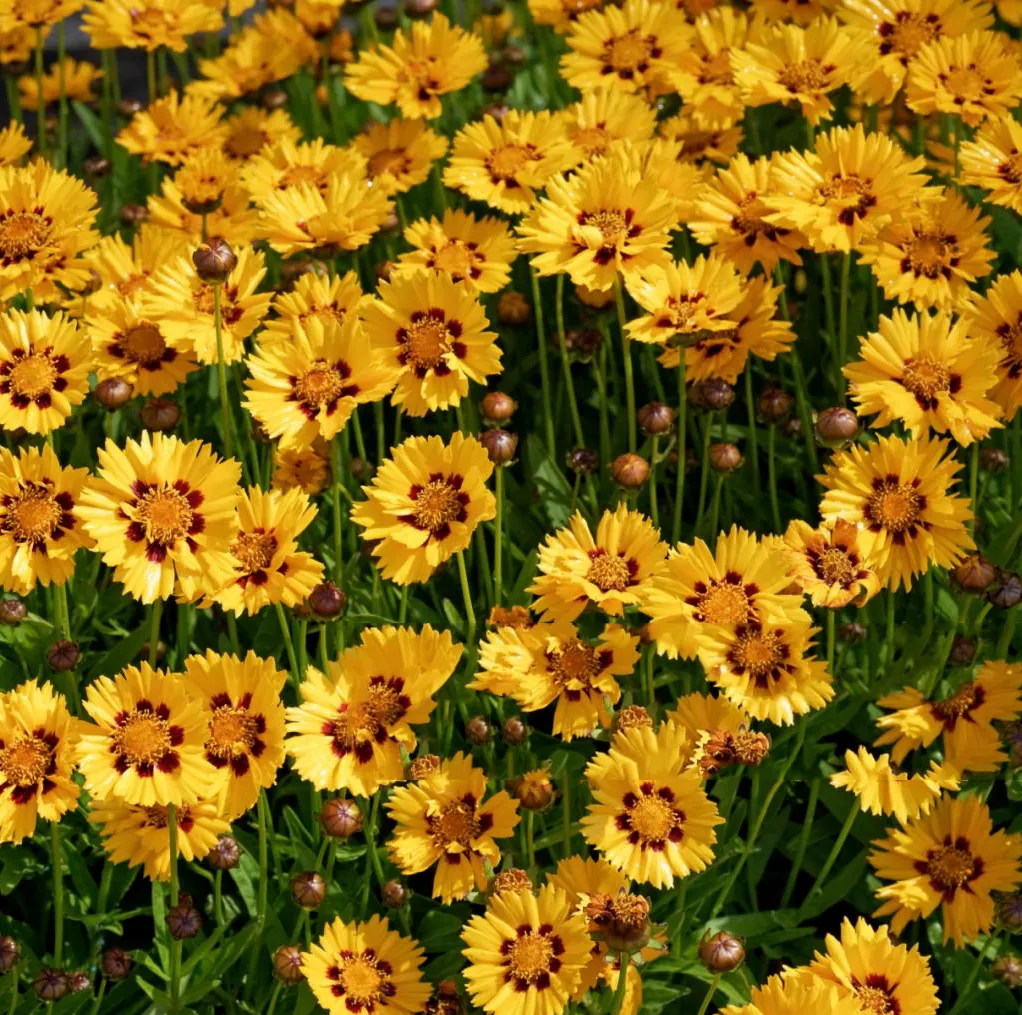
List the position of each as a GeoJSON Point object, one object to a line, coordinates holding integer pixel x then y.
{"type": "Point", "coordinates": [554, 488]}
{"type": "Point", "coordinates": [120, 655]}
{"type": "Point", "coordinates": [91, 124]}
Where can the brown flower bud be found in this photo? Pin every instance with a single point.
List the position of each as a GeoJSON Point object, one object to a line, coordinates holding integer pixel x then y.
{"type": "Point", "coordinates": [340, 818]}
{"type": "Point", "coordinates": [226, 854]}
{"type": "Point", "coordinates": [214, 260]}
{"type": "Point", "coordinates": [291, 271]}
{"type": "Point", "coordinates": [512, 880]}
{"type": "Point", "coordinates": [445, 1000]}
{"type": "Point", "coordinates": [274, 98]}
{"type": "Point", "coordinates": [78, 981]}
{"type": "Point", "coordinates": [160, 414]}
{"type": "Point", "coordinates": [514, 731]}
{"type": "Point", "coordinates": [1008, 969]}
{"type": "Point", "coordinates": [63, 656]}
{"type": "Point", "coordinates": [630, 471]}
{"type": "Point", "coordinates": [50, 984]}
{"type": "Point", "coordinates": [774, 405]}
{"type": "Point", "coordinates": [622, 921]}
{"type": "Point", "coordinates": [793, 428]}
{"type": "Point", "coordinates": [287, 965]}
{"type": "Point", "coordinates": [424, 766]}
{"type": "Point", "coordinates": [12, 612]}
{"type": "Point", "coordinates": [725, 458]}
{"type": "Point", "coordinates": [326, 601]}
{"type": "Point", "coordinates": [133, 215]}
{"type": "Point", "coordinates": [513, 309]}
{"type": "Point", "coordinates": [500, 446]}
{"type": "Point", "coordinates": [308, 889]}
{"type": "Point", "coordinates": [994, 459]}
{"type": "Point", "coordinates": [10, 952]}
{"type": "Point", "coordinates": [497, 407]}
{"type": "Point", "coordinates": [582, 461]}
{"type": "Point", "coordinates": [511, 616]}
{"type": "Point", "coordinates": [419, 8]}
{"type": "Point", "coordinates": [129, 107]}
{"type": "Point", "coordinates": [1008, 913]}
{"type": "Point", "coordinates": [115, 963]}
{"type": "Point", "coordinates": [634, 717]}
{"type": "Point", "coordinates": [963, 650]}
{"type": "Point", "coordinates": [716, 395]}
{"type": "Point", "coordinates": [582, 343]}
{"type": "Point", "coordinates": [721, 953]}
{"type": "Point", "coordinates": [975, 573]}
{"type": "Point", "coordinates": [113, 393]}
{"type": "Point", "coordinates": [361, 469]}
{"type": "Point", "coordinates": [183, 920]}
{"type": "Point", "coordinates": [514, 55]}
{"type": "Point", "coordinates": [534, 790]}
{"type": "Point", "coordinates": [1006, 591]}
{"type": "Point", "coordinates": [1012, 735]}
{"type": "Point", "coordinates": [836, 427]}
{"type": "Point", "coordinates": [497, 78]}
{"type": "Point", "coordinates": [97, 167]}
{"type": "Point", "coordinates": [394, 894]}
{"type": "Point", "coordinates": [384, 270]}
{"type": "Point", "coordinates": [477, 731]}
{"type": "Point", "coordinates": [498, 110]}
{"type": "Point", "coordinates": [386, 17]}
{"type": "Point", "coordinates": [851, 633]}
{"type": "Point", "coordinates": [656, 418]}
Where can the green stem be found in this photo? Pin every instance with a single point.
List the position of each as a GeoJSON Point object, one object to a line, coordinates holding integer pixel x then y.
{"type": "Point", "coordinates": [544, 367]}
{"type": "Point", "coordinates": [336, 468]}
{"type": "Point", "coordinates": [57, 861]}
{"type": "Point", "coordinates": [626, 352]}
{"type": "Point", "coordinates": [175, 897]}
{"type": "Point", "coordinates": [842, 341]}
{"type": "Point", "coordinates": [803, 843]}
{"type": "Point", "coordinates": [709, 994]}
{"type": "Point", "coordinates": [221, 373]}
{"type": "Point", "coordinates": [272, 1006]}
{"type": "Point", "coordinates": [715, 510]}
{"type": "Point", "coordinates": [498, 540]}
{"type": "Point", "coordinates": [62, 108]}
{"type": "Point", "coordinates": [775, 508]}
{"type": "Point", "coordinates": [974, 485]}
{"type": "Point", "coordinates": [155, 612]}
{"type": "Point", "coordinates": [974, 972]}
{"type": "Point", "coordinates": [750, 407]}
{"type": "Point", "coordinates": [530, 843]}
{"type": "Point", "coordinates": [654, 508]}
{"type": "Point", "coordinates": [835, 852]}
{"type": "Point", "coordinates": [828, 297]}
{"type": "Point", "coordinates": [466, 595]}
{"type": "Point", "coordinates": [576, 420]}
{"type": "Point", "coordinates": [830, 641]}
{"type": "Point", "coordinates": [704, 475]}
{"type": "Point", "coordinates": [566, 829]}
{"type": "Point", "coordinates": [889, 634]}
{"type": "Point", "coordinates": [264, 876]}
{"type": "Point", "coordinates": [218, 898]}
{"type": "Point", "coordinates": [622, 981]}
{"type": "Point", "coordinates": [150, 75]}
{"type": "Point", "coordinates": [63, 615]}
{"type": "Point", "coordinates": [289, 645]}
{"type": "Point", "coordinates": [97, 1005]}
{"type": "Point", "coordinates": [40, 111]}
{"type": "Point", "coordinates": [679, 482]}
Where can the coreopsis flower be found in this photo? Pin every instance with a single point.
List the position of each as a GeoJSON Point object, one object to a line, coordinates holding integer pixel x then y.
{"type": "Point", "coordinates": [146, 742]}
{"type": "Point", "coordinates": [162, 511]}
{"type": "Point", "coordinates": [15, 144]}
{"type": "Point", "coordinates": [973, 76]}
{"type": "Point", "coordinates": [504, 163]}
{"type": "Point", "coordinates": [703, 140]}
{"type": "Point", "coordinates": [951, 858]}
{"type": "Point", "coordinates": [612, 570]}
{"type": "Point", "coordinates": [662, 161]}
{"type": "Point", "coordinates": [432, 332]}
{"type": "Point", "coordinates": [865, 964]}
{"type": "Point", "coordinates": [185, 305]}
{"type": "Point", "coordinates": [127, 343]}
{"type": "Point", "coordinates": [233, 218]}
{"type": "Point", "coordinates": [366, 967]}
{"type": "Point", "coordinates": [444, 821]}
{"type": "Point", "coordinates": [729, 216]}
{"type": "Point", "coordinates": [791, 64]}
{"type": "Point", "coordinates": [765, 667]}
{"type": "Point", "coordinates": [44, 369]}
{"type": "Point", "coordinates": [741, 581]}
{"type": "Point", "coordinates": [343, 217]}
{"type": "Point", "coordinates": [717, 734]}
{"type": "Point", "coordinates": [37, 741]}
{"type": "Point", "coordinates": [35, 14]}
{"type": "Point", "coordinates": [125, 270]}
{"type": "Point", "coordinates": [996, 317]}
{"type": "Point", "coordinates": [40, 530]}
{"type": "Point", "coordinates": [898, 492]}
{"type": "Point", "coordinates": [993, 160]}
{"type": "Point", "coordinates": [424, 503]}
{"type": "Point", "coordinates": [327, 297]}
{"type": "Point", "coordinates": [308, 386]}
{"type": "Point", "coordinates": [846, 190]}
{"type": "Point", "coordinates": [399, 154]}
{"type": "Point", "coordinates": [203, 179]}
{"type": "Point", "coordinates": [526, 953]}
{"type": "Point", "coordinates": [926, 372]}
{"type": "Point", "coordinates": [356, 719]}
{"type": "Point", "coordinates": [931, 254]}
{"type": "Point", "coordinates": [245, 731]}
{"type": "Point", "coordinates": [704, 78]}
{"type": "Point", "coordinates": [793, 996]}
{"type": "Point", "coordinates": [604, 220]}
{"type": "Point", "coordinates": [801, 12]}
{"type": "Point", "coordinates": [46, 222]}
{"type": "Point", "coordinates": [253, 129]}
{"type": "Point", "coordinates": [561, 15]}
{"type": "Point", "coordinates": [508, 652]}
{"type": "Point", "coordinates": [319, 17]}
{"type": "Point", "coordinates": [965, 721]}
{"type": "Point", "coordinates": [828, 564]}
{"type": "Point", "coordinates": [293, 164]}
{"type": "Point", "coordinates": [307, 470]}
{"type": "Point", "coordinates": [630, 48]}
{"type": "Point", "coordinates": [173, 128]}
{"type": "Point", "coordinates": [650, 819]}
{"type": "Point", "coordinates": [606, 116]}
{"type": "Point", "coordinates": [476, 251]}
{"type": "Point", "coordinates": [436, 58]}
{"type": "Point", "coordinates": [149, 24]}
{"type": "Point", "coordinates": [78, 79]}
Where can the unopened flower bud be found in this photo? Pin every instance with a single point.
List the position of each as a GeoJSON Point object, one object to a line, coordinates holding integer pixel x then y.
{"type": "Point", "coordinates": [287, 965]}
{"type": "Point", "coordinates": [340, 818]}
{"type": "Point", "coordinates": [386, 18]}
{"type": "Point", "coordinates": [1006, 591]}
{"type": "Point", "coordinates": [534, 790]}
{"type": "Point", "coordinates": [836, 427]}
{"type": "Point", "coordinates": [792, 428]}
{"type": "Point", "coordinates": [308, 889]}
{"type": "Point", "coordinates": [384, 271]}
{"type": "Point", "coordinates": [963, 650]}
{"type": "Point", "coordinates": [477, 731]}
{"type": "Point", "coordinates": [994, 459]}
{"type": "Point", "coordinates": [622, 920]}
{"type": "Point", "coordinates": [500, 446]}
{"type": "Point", "coordinates": [496, 78]}
{"type": "Point", "coordinates": [630, 471]}
{"type": "Point", "coordinates": [160, 414]}
{"type": "Point", "coordinates": [113, 393]}
{"type": "Point", "coordinates": [851, 633]}
{"type": "Point", "coordinates": [721, 953]}
{"type": "Point", "coordinates": [50, 984]}
{"type": "Point", "coordinates": [10, 952]}
{"type": "Point", "coordinates": [716, 395]}
{"type": "Point", "coordinates": [724, 457]}
{"type": "Point", "coordinates": [226, 854]}
{"type": "Point", "coordinates": [512, 880]}
{"type": "Point", "coordinates": [419, 8]}
{"type": "Point", "coordinates": [183, 920]}
{"type": "Point", "coordinates": [656, 418]}
{"type": "Point", "coordinates": [513, 309]}
{"type": "Point", "coordinates": [326, 601]}
{"type": "Point", "coordinates": [78, 981]}
{"type": "Point", "coordinates": [497, 407]}
{"type": "Point", "coordinates": [133, 215]}
{"type": "Point", "coordinates": [274, 98]}
{"type": "Point", "coordinates": [129, 107]}
{"type": "Point", "coordinates": [514, 55]}
{"type": "Point", "coordinates": [12, 612]}
{"type": "Point", "coordinates": [774, 405]}
{"type": "Point", "coordinates": [115, 963]}
{"type": "Point", "coordinates": [394, 894]}
{"type": "Point", "coordinates": [214, 260]}
{"type": "Point", "coordinates": [63, 656]}
{"type": "Point", "coordinates": [1008, 969]}
{"type": "Point", "coordinates": [498, 110]}
{"type": "Point", "coordinates": [1012, 735]}
{"type": "Point", "coordinates": [514, 732]}
{"type": "Point", "coordinates": [582, 461]}
{"type": "Point", "coordinates": [634, 717]}
{"type": "Point", "coordinates": [1008, 913]}
{"type": "Point", "coordinates": [975, 573]}
{"type": "Point", "coordinates": [97, 167]}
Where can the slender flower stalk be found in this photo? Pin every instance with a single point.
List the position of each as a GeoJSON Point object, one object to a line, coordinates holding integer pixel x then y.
{"type": "Point", "coordinates": [569, 384]}
{"type": "Point", "coordinates": [221, 372]}
{"type": "Point", "coordinates": [498, 538]}
{"type": "Point", "coordinates": [544, 367]}
{"type": "Point", "coordinates": [708, 997]}
{"type": "Point", "coordinates": [835, 852]}
{"type": "Point", "coordinates": [57, 862]}
{"type": "Point", "coordinates": [750, 407]}
{"type": "Point", "coordinates": [679, 481]}
{"type": "Point", "coordinates": [40, 114]}
{"type": "Point", "coordinates": [622, 982]}
{"type": "Point", "coordinates": [626, 353]}
{"type": "Point", "coordinates": [175, 897]}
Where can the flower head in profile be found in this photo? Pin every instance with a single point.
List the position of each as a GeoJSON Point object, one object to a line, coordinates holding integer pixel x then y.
{"type": "Point", "coordinates": [424, 504]}
{"type": "Point", "coordinates": [431, 332]}
{"type": "Point", "coordinates": [252, 129]}
{"type": "Point", "coordinates": [307, 470]}
{"type": "Point", "coordinates": [605, 117]}
{"type": "Point", "coordinates": [899, 494]}
{"type": "Point", "coordinates": [14, 143]}
{"type": "Point", "coordinates": [704, 78]}
{"type": "Point", "coordinates": [35, 14]}
{"type": "Point", "coordinates": [996, 318]}
{"type": "Point", "coordinates": [356, 719]}
{"type": "Point", "coordinates": [173, 128]}
{"type": "Point", "coordinates": [77, 78]}
{"type": "Point", "coordinates": [149, 24]}
{"type": "Point", "coordinates": [611, 569]}
{"type": "Point", "coordinates": [828, 564]}
{"type": "Point", "coordinates": [419, 67]}
{"type": "Point", "coordinates": [232, 217]}
{"type": "Point", "coordinates": [147, 742]}
{"type": "Point", "coordinates": [717, 734]}
{"type": "Point", "coordinates": [446, 821]}
{"type": "Point", "coordinates": [561, 15]}
{"type": "Point", "coordinates": [399, 154]}
{"type": "Point", "coordinates": [705, 141]}
{"type": "Point", "coordinates": [314, 295]}
{"type": "Point", "coordinates": [162, 511]}
{"type": "Point", "coordinates": [953, 859]}
{"type": "Point", "coordinates": [126, 270]}
{"type": "Point", "coordinates": [40, 529]}
{"type": "Point", "coordinates": [794, 996]}
{"type": "Point", "coordinates": [289, 164]}
{"type": "Point", "coordinates": [926, 372]}
{"type": "Point", "coordinates": [37, 739]}
{"type": "Point", "coordinates": [993, 160]}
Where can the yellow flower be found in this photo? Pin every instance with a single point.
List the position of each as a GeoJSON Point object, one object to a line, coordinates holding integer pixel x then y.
{"type": "Point", "coordinates": [828, 564]}
{"type": "Point", "coordinates": [308, 386]}
{"type": "Point", "coordinates": [326, 297]}
{"type": "Point", "coordinates": [973, 76]}
{"type": "Point", "coordinates": [253, 129]}
{"type": "Point", "coordinates": [173, 128]}
{"type": "Point", "coordinates": [846, 190]}
{"type": "Point", "coordinates": [703, 139]}
{"type": "Point", "coordinates": [603, 220]}
{"type": "Point", "coordinates": [898, 492]}
{"type": "Point", "coordinates": [561, 15]}
{"type": "Point", "coordinates": [14, 144]}
{"type": "Point", "coordinates": [17, 39]}
{"type": "Point", "coordinates": [996, 318]}
{"type": "Point", "coordinates": [424, 504]}
{"type": "Point", "coordinates": [431, 331]}
{"type": "Point", "coordinates": [40, 530]}
{"type": "Point", "coordinates": [303, 470]}
{"type": "Point", "coordinates": [149, 24]}
{"type": "Point", "coordinates": [37, 740]}
{"type": "Point", "coordinates": [606, 116]}
{"type": "Point", "coordinates": [356, 720]}
{"type": "Point", "coordinates": [504, 163]}
{"type": "Point", "coordinates": [883, 790]}
{"type": "Point", "coordinates": [287, 164]}
{"type": "Point", "coordinates": [993, 161]}
{"type": "Point", "coordinates": [34, 14]}
{"type": "Point", "coordinates": [704, 78]}
{"type": "Point", "coordinates": [612, 570]}
{"type": "Point", "coordinates": [926, 372]}
{"type": "Point", "coordinates": [233, 218]}
{"type": "Point", "coordinates": [162, 511]}
{"type": "Point", "coordinates": [44, 370]}
{"type": "Point", "coordinates": [78, 79]}
{"type": "Point", "coordinates": [46, 221]}
{"type": "Point", "coordinates": [792, 996]}
{"type": "Point", "coordinates": [203, 179]}
{"type": "Point", "coordinates": [650, 819]}
{"type": "Point", "coordinates": [952, 858]}
{"type": "Point", "coordinates": [125, 270]}
{"type": "Point", "coordinates": [399, 154]}
{"type": "Point", "coordinates": [435, 59]}
{"type": "Point", "coordinates": [245, 732]}
{"type": "Point", "coordinates": [526, 953]}
{"type": "Point", "coordinates": [476, 251]}
{"type": "Point", "coordinates": [365, 967]}
{"type": "Point", "coordinates": [146, 744]}
{"type": "Point", "coordinates": [444, 820]}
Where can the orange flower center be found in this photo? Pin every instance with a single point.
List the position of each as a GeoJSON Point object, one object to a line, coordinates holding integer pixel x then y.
{"type": "Point", "coordinates": [592, 140]}
{"type": "Point", "coordinates": [724, 603]}
{"type": "Point", "coordinates": [966, 83]}
{"type": "Point", "coordinates": [612, 225]}
{"type": "Point", "coordinates": [436, 506]}
{"type": "Point", "coordinates": [321, 384]}
{"type": "Point", "coordinates": [133, 285]}
{"type": "Point", "coordinates": [363, 982]}
{"type": "Point", "coordinates": [629, 52]}
{"type": "Point", "coordinates": [716, 68]}
{"type": "Point", "coordinates": [34, 515]}
{"type": "Point", "coordinates": [894, 506]}
{"type": "Point", "coordinates": [456, 825]}
{"type": "Point", "coordinates": [232, 731]}
{"type": "Point", "coordinates": [165, 515]}
{"type": "Point", "coordinates": [929, 253]}
{"type": "Point", "coordinates": [26, 761]}
{"type": "Point", "coordinates": [388, 160]}
{"type": "Point", "coordinates": [609, 572]}
{"type": "Point", "coordinates": [427, 342]}
{"type": "Point", "coordinates": [530, 956]}
{"type": "Point", "coordinates": [926, 378]}
{"type": "Point", "coordinates": [255, 550]}
{"type": "Point", "coordinates": [358, 726]}
{"type": "Point", "coordinates": [22, 234]}
{"type": "Point", "coordinates": [574, 665]}
{"type": "Point", "coordinates": [143, 739]}
{"type": "Point", "coordinates": [295, 176]}
{"type": "Point", "coordinates": [950, 867]}
{"type": "Point", "coordinates": [653, 818]}
{"type": "Point", "coordinates": [245, 140]}
{"type": "Point", "coordinates": [875, 1000]}
{"type": "Point", "coordinates": [960, 703]}
{"type": "Point", "coordinates": [33, 375]}
{"type": "Point", "coordinates": [504, 162]}
{"type": "Point", "coordinates": [143, 343]}
{"type": "Point", "coordinates": [908, 34]}
{"type": "Point", "coordinates": [457, 259]}
{"type": "Point", "coordinates": [835, 567]}
{"type": "Point", "coordinates": [804, 76]}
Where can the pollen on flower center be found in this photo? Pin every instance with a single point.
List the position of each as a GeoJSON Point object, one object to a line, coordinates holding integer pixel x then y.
{"type": "Point", "coordinates": [21, 234]}
{"type": "Point", "coordinates": [319, 385]}
{"type": "Point", "coordinates": [574, 664]}
{"type": "Point", "coordinates": [609, 572]}
{"type": "Point", "coordinates": [505, 161]}
{"type": "Point", "coordinates": [612, 224]}
{"type": "Point", "coordinates": [835, 567]}
{"type": "Point", "coordinates": [928, 254]}
{"type": "Point", "coordinates": [908, 34]}
{"type": "Point", "coordinates": [26, 761]}
{"type": "Point", "coordinates": [33, 375]}
{"type": "Point", "coordinates": [427, 342]}
{"type": "Point", "coordinates": [804, 76]}
{"type": "Point", "coordinates": [759, 652]}
{"type": "Point", "coordinates": [724, 603]}
{"type": "Point", "coordinates": [35, 515]}
{"type": "Point", "coordinates": [165, 515]}
{"type": "Point", "coordinates": [231, 731]}
{"type": "Point", "coordinates": [653, 818]}
{"type": "Point", "coordinates": [592, 140]}
{"type": "Point", "coordinates": [295, 176]}
{"type": "Point", "coordinates": [875, 1000]}
{"type": "Point", "coordinates": [950, 867]}
{"type": "Point", "coordinates": [362, 981]}
{"type": "Point", "coordinates": [966, 82]}
{"type": "Point", "coordinates": [629, 52]}
{"type": "Point", "coordinates": [960, 703]}
{"type": "Point", "coordinates": [894, 506]}
{"type": "Point", "coordinates": [157, 816]}
{"type": "Point", "coordinates": [456, 258]}
{"type": "Point", "coordinates": [456, 823]}
{"type": "Point", "coordinates": [144, 738]}
{"type": "Point", "coordinates": [436, 506]}
{"type": "Point", "coordinates": [389, 160]}
{"type": "Point", "coordinates": [255, 550]}
{"type": "Point", "coordinates": [926, 378]}
{"type": "Point", "coordinates": [530, 956]}
{"type": "Point", "coordinates": [143, 344]}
